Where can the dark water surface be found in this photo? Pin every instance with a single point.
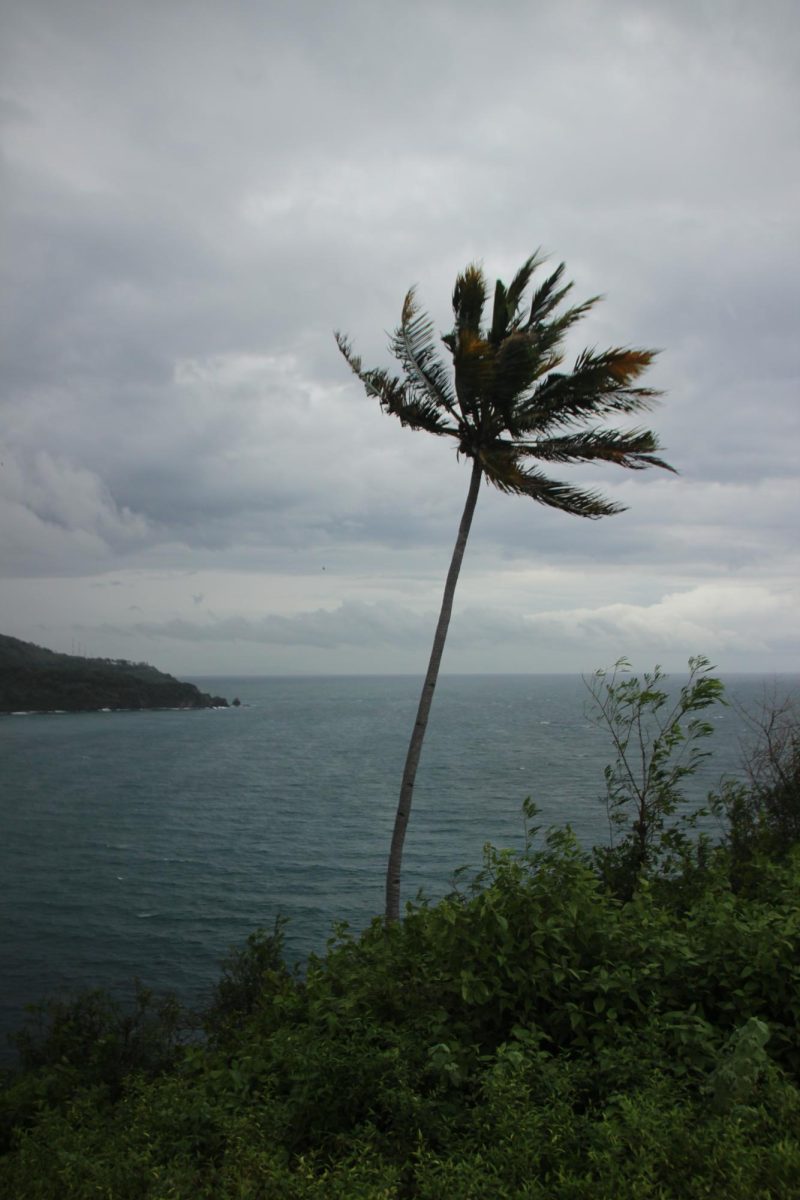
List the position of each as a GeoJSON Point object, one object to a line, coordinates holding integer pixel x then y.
{"type": "Point", "coordinates": [145, 844]}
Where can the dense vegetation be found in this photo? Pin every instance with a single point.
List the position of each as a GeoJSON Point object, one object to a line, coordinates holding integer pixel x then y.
{"type": "Point", "coordinates": [616, 1023]}
{"type": "Point", "coordinates": [33, 679]}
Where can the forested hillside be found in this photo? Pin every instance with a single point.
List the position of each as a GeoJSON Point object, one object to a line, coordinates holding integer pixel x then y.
{"type": "Point", "coordinates": [34, 679]}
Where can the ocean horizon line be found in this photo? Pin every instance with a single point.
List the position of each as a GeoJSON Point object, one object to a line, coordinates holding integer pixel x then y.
{"type": "Point", "coordinates": [634, 670]}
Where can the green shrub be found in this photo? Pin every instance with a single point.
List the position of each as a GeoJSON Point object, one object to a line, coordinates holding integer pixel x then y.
{"type": "Point", "coordinates": [761, 816]}
{"type": "Point", "coordinates": [89, 1041]}
{"type": "Point", "coordinates": [250, 976]}
{"type": "Point", "coordinates": [658, 744]}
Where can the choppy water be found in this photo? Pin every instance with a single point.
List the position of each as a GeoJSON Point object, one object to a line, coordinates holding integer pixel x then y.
{"type": "Point", "coordinates": [145, 844]}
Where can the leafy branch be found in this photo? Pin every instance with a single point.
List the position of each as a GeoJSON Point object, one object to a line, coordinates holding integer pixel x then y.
{"type": "Point", "coordinates": [658, 743]}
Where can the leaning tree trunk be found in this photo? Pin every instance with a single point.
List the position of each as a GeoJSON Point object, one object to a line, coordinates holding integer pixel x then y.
{"type": "Point", "coordinates": [421, 722]}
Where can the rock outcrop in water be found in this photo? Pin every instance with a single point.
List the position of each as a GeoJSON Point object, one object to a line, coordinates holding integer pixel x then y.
{"type": "Point", "coordinates": [33, 679]}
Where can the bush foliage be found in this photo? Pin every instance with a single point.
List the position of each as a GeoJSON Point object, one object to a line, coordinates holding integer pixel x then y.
{"type": "Point", "coordinates": [558, 1030]}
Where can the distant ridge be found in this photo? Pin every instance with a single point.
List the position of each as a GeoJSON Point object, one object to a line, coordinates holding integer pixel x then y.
{"type": "Point", "coordinates": [34, 679]}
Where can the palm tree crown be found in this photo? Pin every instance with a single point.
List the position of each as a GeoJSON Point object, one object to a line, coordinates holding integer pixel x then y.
{"type": "Point", "coordinates": [506, 402]}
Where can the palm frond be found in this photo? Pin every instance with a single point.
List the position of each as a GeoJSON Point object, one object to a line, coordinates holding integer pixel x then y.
{"type": "Point", "coordinates": [502, 468]}
{"type": "Point", "coordinates": [413, 346]}
{"type": "Point", "coordinates": [633, 448]}
{"type": "Point", "coordinates": [550, 334]}
{"type": "Point", "coordinates": [472, 362]}
{"type": "Point", "coordinates": [548, 296]}
{"type": "Point", "coordinates": [469, 298]}
{"type": "Point", "coordinates": [500, 316]}
{"type": "Point", "coordinates": [598, 384]}
{"type": "Point", "coordinates": [520, 282]}
{"type": "Point", "coordinates": [622, 363]}
{"type": "Point", "coordinates": [515, 368]}
{"type": "Point", "coordinates": [346, 348]}
{"type": "Point", "coordinates": [505, 314]}
{"type": "Point", "coordinates": [395, 396]}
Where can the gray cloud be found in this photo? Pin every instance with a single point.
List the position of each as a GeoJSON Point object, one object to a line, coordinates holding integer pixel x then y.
{"type": "Point", "coordinates": [198, 195]}
{"type": "Point", "coordinates": [711, 616]}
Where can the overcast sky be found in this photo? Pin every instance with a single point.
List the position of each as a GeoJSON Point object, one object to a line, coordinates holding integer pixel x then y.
{"type": "Point", "coordinates": [196, 194]}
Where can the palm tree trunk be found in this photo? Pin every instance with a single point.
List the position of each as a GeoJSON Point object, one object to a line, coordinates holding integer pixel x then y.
{"type": "Point", "coordinates": [428, 687]}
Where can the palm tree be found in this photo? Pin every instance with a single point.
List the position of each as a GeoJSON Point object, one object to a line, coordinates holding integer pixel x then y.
{"type": "Point", "coordinates": [505, 402]}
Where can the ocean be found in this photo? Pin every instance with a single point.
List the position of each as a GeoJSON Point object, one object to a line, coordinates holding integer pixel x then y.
{"type": "Point", "coordinates": [145, 844]}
